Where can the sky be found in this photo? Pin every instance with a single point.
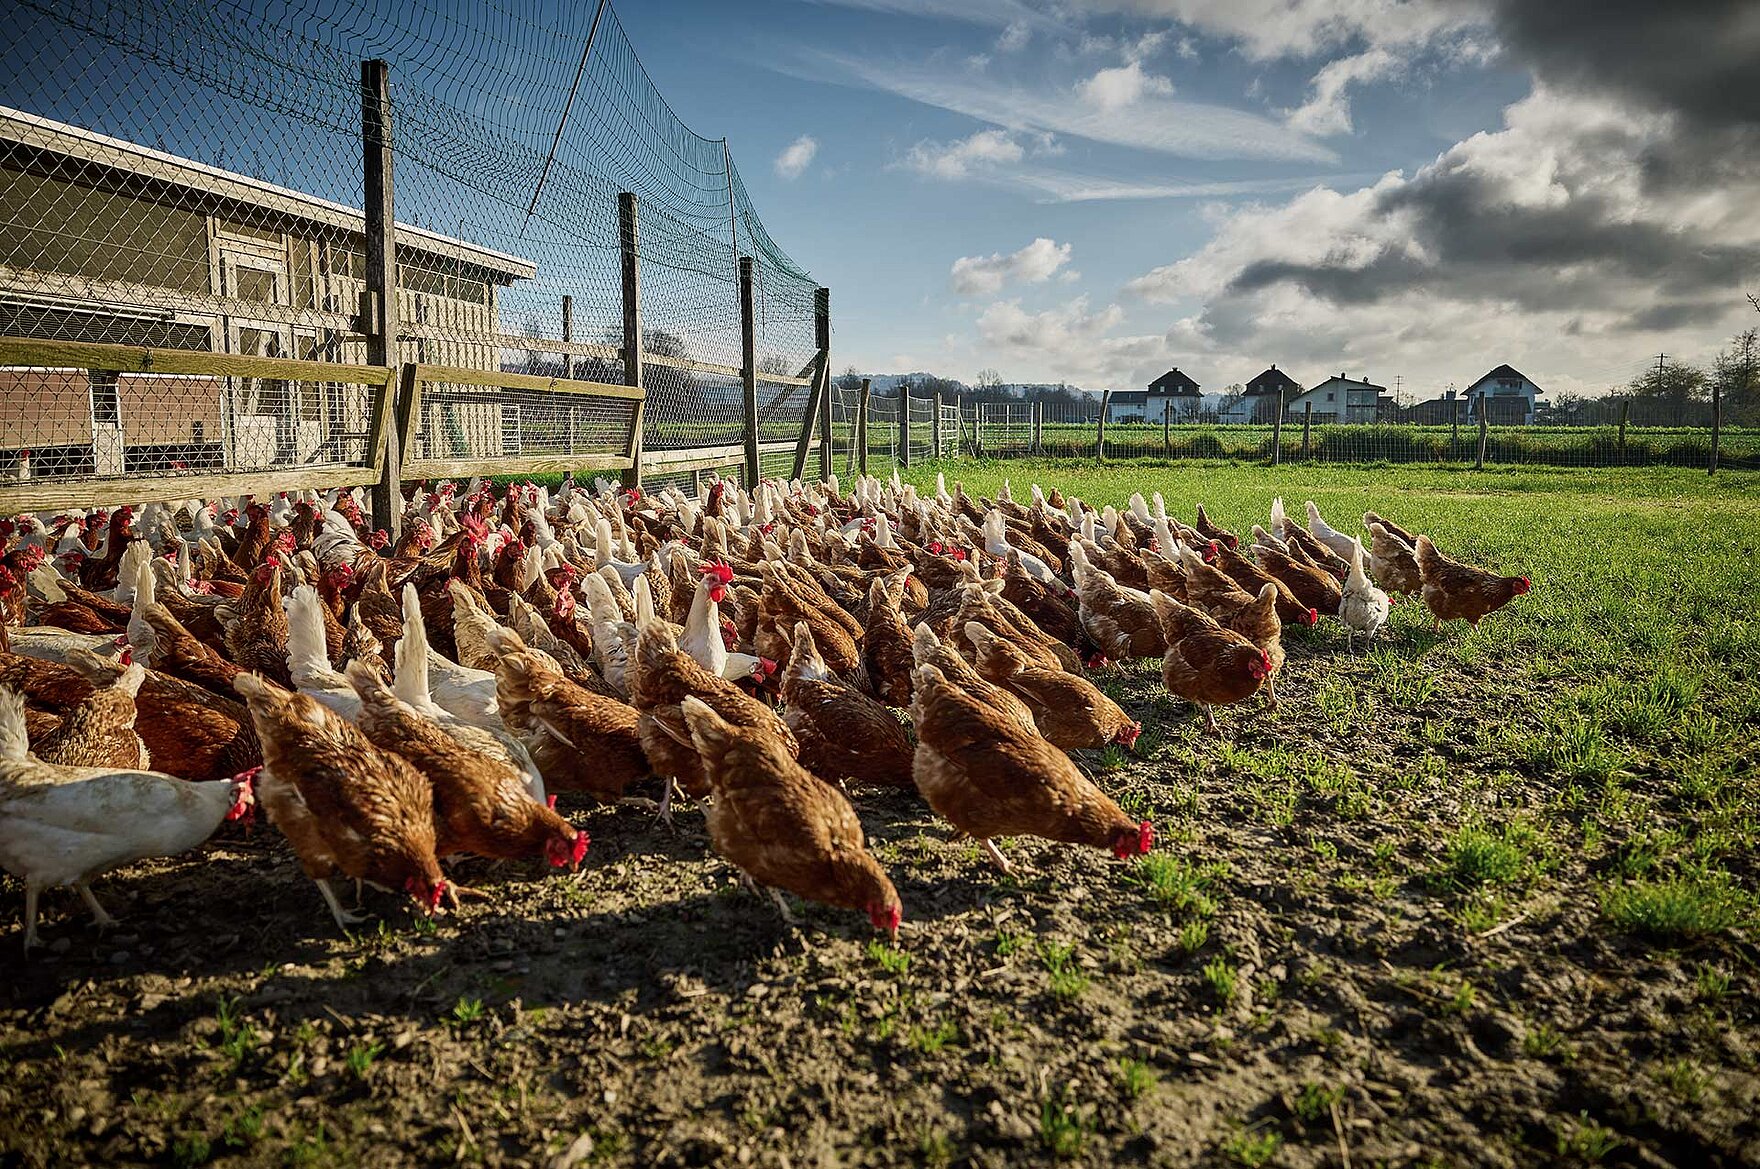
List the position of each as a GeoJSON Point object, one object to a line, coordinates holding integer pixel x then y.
{"type": "Point", "coordinates": [1093, 191]}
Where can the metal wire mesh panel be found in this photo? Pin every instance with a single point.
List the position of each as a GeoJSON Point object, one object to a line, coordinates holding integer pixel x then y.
{"type": "Point", "coordinates": [457, 423]}
{"type": "Point", "coordinates": [882, 432]}
{"type": "Point", "coordinates": [188, 174]}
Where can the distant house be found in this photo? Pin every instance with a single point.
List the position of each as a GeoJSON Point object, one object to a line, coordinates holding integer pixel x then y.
{"type": "Point", "coordinates": [1338, 399]}
{"type": "Point", "coordinates": [1506, 396]}
{"type": "Point", "coordinates": [1173, 391]}
{"type": "Point", "coordinates": [1435, 412]}
{"type": "Point", "coordinates": [1259, 404]}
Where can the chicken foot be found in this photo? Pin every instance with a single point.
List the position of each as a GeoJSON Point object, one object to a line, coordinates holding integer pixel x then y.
{"type": "Point", "coordinates": [1210, 721]}
{"type": "Point", "coordinates": [344, 918]}
{"type": "Point", "coordinates": [787, 915]}
{"type": "Point", "coordinates": [30, 917]}
{"type": "Point", "coordinates": [100, 918]}
{"type": "Point", "coordinates": [996, 856]}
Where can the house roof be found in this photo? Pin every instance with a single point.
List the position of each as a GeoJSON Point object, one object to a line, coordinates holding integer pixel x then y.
{"type": "Point", "coordinates": [1503, 373]}
{"type": "Point", "coordinates": [132, 159]}
{"type": "Point", "coordinates": [1339, 381]}
{"type": "Point", "coordinates": [1271, 381]}
{"type": "Point", "coordinates": [1174, 382]}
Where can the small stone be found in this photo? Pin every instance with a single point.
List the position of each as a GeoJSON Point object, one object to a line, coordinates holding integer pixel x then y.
{"type": "Point", "coordinates": [402, 1040]}
{"type": "Point", "coordinates": [1199, 1058]}
{"type": "Point", "coordinates": [75, 1115]}
{"type": "Point", "coordinates": [320, 1066]}
{"type": "Point", "coordinates": [502, 965]}
{"type": "Point", "coordinates": [576, 1153]}
{"type": "Point", "coordinates": [120, 958]}
{"type": "Point", "coordinates": [611, 1095]}
{"type": "Point", "coordinates": [757, 990]}
{"type": "Point", "coordinates": [152, 1001]}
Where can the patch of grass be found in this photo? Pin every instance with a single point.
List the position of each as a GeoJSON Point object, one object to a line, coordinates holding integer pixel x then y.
{"type": "Point", "coordinates": [1193, 934]}
{"type": "Point", "coordinates": [1585, 1140]}
{"type": "Point", "coordinates": [930, 1040]}
{"type": "Point", "coordinates": [1222, 979]}
{"type": "Point", "coordinates": [1179, 884]}
{"type": "Point", "coordinates": [1136, 1079]}
{"type": "Point", "coordinates": [1542, 1040]}
{"type": "Point", "coordinates": [1008, 941]}
{"type": "Point", "coordinates": [237, 1038]}
{"type": "Point", "coordinates": [190, 1150]}
{"type": "Point", "coordinates": [1252, 1148]}
{"type": "Point", "coordinates": [1680, 908]}
{"type": "Point", "coordinates": [360, 1057]}
{"type": "Point", "coordinates": [1067, 979]}
{"type": "Point", "coordinates": [1315, 1101]}
{"type": "Point", "coordinates": [1686, 1079]}
{"type": "Point", "coordinates": [1710, 984]}
{"type": "Point", "coordinates": [1064, 1129]}
{"type": "Point", "coordinates": [1478, 856]}
{"type": "Point", "coordinates": [891, 961]}
{"type": "Point", "coordinates": [244, 1129]}
{"type": "Point", "coordinates": [936, 1147]}
{"type": "Point", "coordinates": [465, 1012]}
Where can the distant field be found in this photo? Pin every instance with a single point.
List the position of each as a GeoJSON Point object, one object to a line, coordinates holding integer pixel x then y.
{"type": "Point", "coordinates": [1483, 898]}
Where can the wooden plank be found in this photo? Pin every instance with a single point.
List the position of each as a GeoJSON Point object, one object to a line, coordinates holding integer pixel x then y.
{"type": "Point", "coordinates": [150, 300]}
{"type": "Point", "coordinates": [50, 495]}
{"type": "Point", "coordinates": [862, 429]}
{"type": "Point", "coordinates": [135, 359]}
{"type": "Point", "coordinates": [809, 418]}
{"type": "Point", "coordinates": [504, 466]}
{"type": "Point", "coordinates": [497, 379]}
{"type": "Point", "coordinates": [707, 456]}
{"type": "Point", "coordinates": [1100, 426]}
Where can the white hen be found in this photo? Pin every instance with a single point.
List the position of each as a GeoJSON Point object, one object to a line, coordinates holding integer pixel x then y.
{"type": "Point", "coordinates": [67, 825]}
{"type": "Point", "coordinates": [1327, 534]}
{"type": "Point", "coordinates": [1365, 607]}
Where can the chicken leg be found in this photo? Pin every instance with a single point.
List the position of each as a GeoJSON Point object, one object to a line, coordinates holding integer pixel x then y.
{"type": "Point", "coordinates": [30, 917]}
{"type": "Point", "coordinates": [787, 915]}
{"type": "Point", "coordinates": [996, 856]}
{"type": "Point", "coordinates": [100, 918]}
{"type": "Point", "coordinates": [1210, 720]}
{"type": "Point", "coordinates": [343, 917]}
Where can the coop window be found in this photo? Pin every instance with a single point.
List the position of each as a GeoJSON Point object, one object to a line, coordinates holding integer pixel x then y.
{"type": "Point", "coordinates": [106, 398]}
{"type": "Point", "coordinates": [510, 430]}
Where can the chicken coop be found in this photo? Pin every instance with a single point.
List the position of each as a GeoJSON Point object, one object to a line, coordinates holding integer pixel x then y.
{"type": "Point", "coordinates": [112, 242]}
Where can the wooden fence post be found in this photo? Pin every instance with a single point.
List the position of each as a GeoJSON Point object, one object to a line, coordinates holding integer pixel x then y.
{"type": "Point", "coordinates": [1454, 438]}
{"type": "Point", "coordinates": [379, 302]}
{"type": "Point", "coordinates": [1307, 424]}
{"type": "Point", "coordinates": [1167, 428]}
{"type": "Point", "coordinates": [1277, 431]}
{"type": "Point", "coordinates": [904, 425]}
{"type": "Point", "coordinates": [862, 430]}
{"type": "Point", "coordinates": [629, 244]}
{"type": "Point", "coordinates": [1716, 424]}
{"type": "Point", "coordinates": [1625, 412]}
{"type": "Point", "coordinates": [1484, 434]}
{"type": "Point", "coordinates": [748, 355]}
{"type": "Point", "coordinates": [1100, 427]}
{"type": "Point", "coordinates": [818, 394]}
{"type": "Point", "coordinates": [822, 332]}
{"type": "Point", "coordinates": [568, 327]}
{"type": "Point", "coordinates": [1037, 413]}
{"type": "Point", "coordinates": [935, 425]}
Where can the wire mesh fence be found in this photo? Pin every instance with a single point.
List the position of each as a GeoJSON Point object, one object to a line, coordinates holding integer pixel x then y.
{"type": "Point", "coordinates": [1612, 432]}
{"type": "Point", "coordinates": [190, 175]}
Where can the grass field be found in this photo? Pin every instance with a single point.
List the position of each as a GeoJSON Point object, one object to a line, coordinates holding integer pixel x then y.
{"type": "Point", "coordinates": [1483, 898]}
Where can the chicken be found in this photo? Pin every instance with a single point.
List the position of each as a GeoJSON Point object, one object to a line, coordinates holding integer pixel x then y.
{"type": "Point", "coordinates": [1121, 622]}
{"type": "Point", "coordinates": [1364, 608]}
{"type": "Point", "coordinates": [1393, 562]}
{"type": "Point", "coordinates": [1068, 710]}
{"type": "Point", "coordinates": [581, 740]}
{"type": "Point", "coordinates": [843, 734]}
{"type": "Point", "coordinates": [1311, 586]}
{"type": "Point", "coordinates": [663, 678]}
{"type": "Point", "coordinates": [1370, 519]}
{"type": "Point", "coordinates": [347, 807]}
{"type": "Point", "coordinates": [928, 650]}
{"type": "Point", "coordinates": [1211, 589]}
{"type": "Point", "coordinates": [188, 730]}
{"type": "Point", "coordinates": [1455, 590]}
{"type": "Point", "coordinates": [62, 826]}
{"type": "Point", "coordinates": [1258, 622]}
{"type": "Point", "coordinates": [1336, 541]}
{"type": "Point", "coordinates": [1303, 545]}
{"type": "Point", "coordinates": [1252, 578]}
{"type": "Point", "coordinates": [886, 648]}
{"type": "Point", "coordinates": [987, 777]}
{"type": "Point", "coordinates": [1047, 608]}
{"type": "Point", "coordinates": [481, 804]}
{"type": "Point", "coordinates": [702, 637]}
{"type": "Point", "coordinates": [1212, 532]}
{"type": "Point", "coordinates": [306, 656]}
{"type": "Point", "coordinates": [177, 652]}
{"type": "Point", "coordinates": [256, 626]}
{"type": "Point", "coordinates": [1206, 664]}
{"type": "Point", "coordinates": [782, 827]}
{"type": "Point", "coordinates": [100, 731]}
{"type": "Point", "coordinates": [783, 605]}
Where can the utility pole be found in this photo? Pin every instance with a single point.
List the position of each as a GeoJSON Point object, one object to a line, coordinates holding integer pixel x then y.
{"type": "Point", "coordinates": [1398, 383]}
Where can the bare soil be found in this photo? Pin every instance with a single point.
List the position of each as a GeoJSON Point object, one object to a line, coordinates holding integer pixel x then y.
{"type": "Point", "coordinates": [1303, 992]}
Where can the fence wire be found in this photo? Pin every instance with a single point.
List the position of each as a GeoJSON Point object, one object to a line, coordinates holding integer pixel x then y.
{"type": "Point", "coordinates": [188, 174]}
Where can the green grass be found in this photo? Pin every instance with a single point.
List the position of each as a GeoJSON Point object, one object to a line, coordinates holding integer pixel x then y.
{"type": "Point", "coordinates": [1684, 907]}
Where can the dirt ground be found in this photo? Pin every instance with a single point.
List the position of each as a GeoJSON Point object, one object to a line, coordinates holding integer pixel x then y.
{"type": "Point", "coordinates": [1287, 988]}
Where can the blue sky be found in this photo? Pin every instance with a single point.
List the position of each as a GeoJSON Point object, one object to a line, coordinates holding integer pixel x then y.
{"type": "Point", "coordinates": [1094, 190]}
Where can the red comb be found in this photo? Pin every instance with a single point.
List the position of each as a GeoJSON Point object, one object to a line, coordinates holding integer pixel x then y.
{"type": "Point", "coordinates": [720, 570]}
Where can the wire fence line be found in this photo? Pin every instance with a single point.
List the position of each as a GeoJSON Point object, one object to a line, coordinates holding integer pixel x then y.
{"type": "Point", "coordinates": [198, 176]}
{"type": "Point", "coordinates": [1611, 432]}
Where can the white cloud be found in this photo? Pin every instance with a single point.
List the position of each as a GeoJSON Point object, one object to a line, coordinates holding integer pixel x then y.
{"type": "Point", "coordinates": [1154, 122]}
{"type": "Point", "coordinates": [1328, 109]}
{"type": "Point", "coordinates": [796, 157]}
{"type": "Point", "coordinates": [961, 158]}
{"type": "Point", "coordinates": [1033, 264]}
{"type": "Point", "coordinates": [1014, 37]}
{"type": "Point", "coordinates": [1122, 86]}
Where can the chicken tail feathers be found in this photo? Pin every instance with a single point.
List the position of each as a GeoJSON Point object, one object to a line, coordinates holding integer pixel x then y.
{"type": "Point", "coordinates": [411, 666]}
{"type": "Point", "coordinates": [14, 742]}
{"type": "Point", "coordinates": [307, 653]}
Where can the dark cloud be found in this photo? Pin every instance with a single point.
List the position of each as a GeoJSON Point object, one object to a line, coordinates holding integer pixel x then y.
{"type": "Point", "coordinates": [1695, 58]}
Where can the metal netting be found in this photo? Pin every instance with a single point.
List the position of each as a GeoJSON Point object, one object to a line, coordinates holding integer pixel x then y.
{"type": "Point", "coordinates": [189, 174]}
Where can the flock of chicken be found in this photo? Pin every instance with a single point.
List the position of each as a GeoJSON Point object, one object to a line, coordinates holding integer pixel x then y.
{"type": "Point", "coordinates": [390, 706]}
